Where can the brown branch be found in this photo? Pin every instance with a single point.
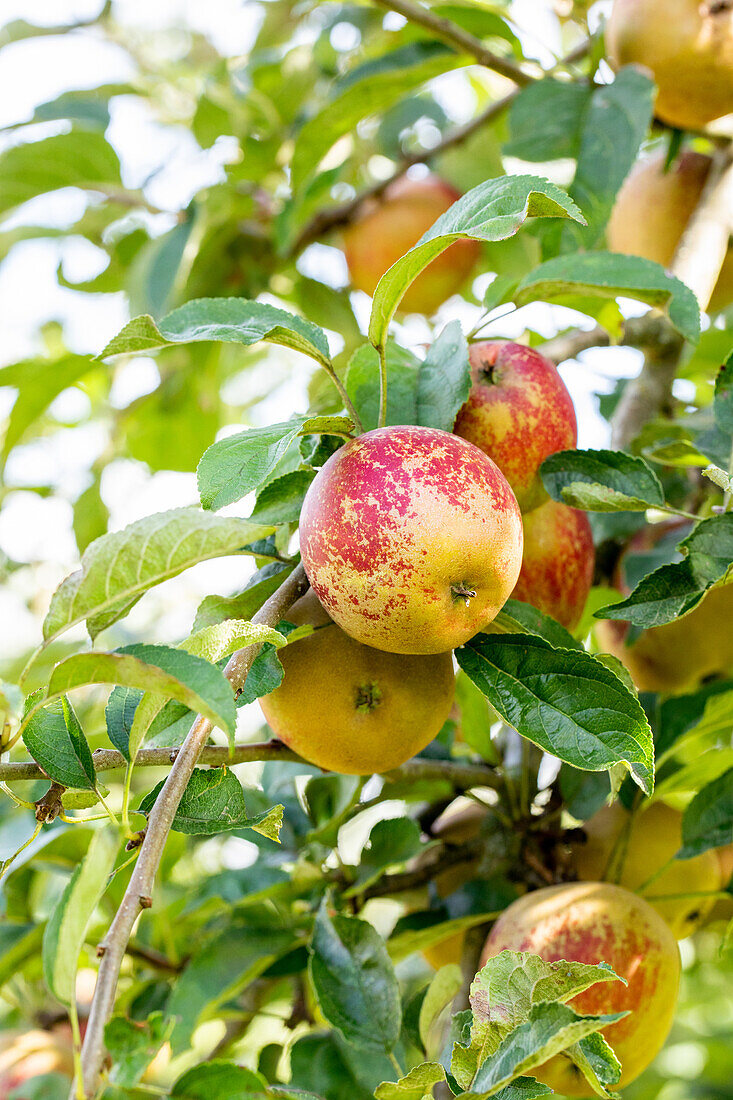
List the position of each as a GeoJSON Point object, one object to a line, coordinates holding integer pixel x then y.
{"type": "Point", "coordinates": [455, 36]}
{"type": "Point", "coordinates": [336, 216]}
{"type": "Point", "coordinates": [652, 332]}
{"type": "Point", "coordinates": [697, 262]}
{"type": "Point", "coordinates": [138, 895]}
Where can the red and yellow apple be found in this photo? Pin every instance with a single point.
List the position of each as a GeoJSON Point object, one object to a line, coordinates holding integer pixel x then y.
{"type": "Point", "coordinates": [653, 208]}
{"type": "Point", "coordinates": [557, 563]}
{"type": "Point", "coordinates": [411, 539]}
{"type": "Point", "coordinates": [688, 47]}
{"type": "Point", "coordinates": [594, 922]}
{"type": "Point", "coordinates": [518, 412]}
{"type": "Point", "coordinates": [678, 656]}
{"type": "Point", "coordinates": [34, 1053]}
{"type": "Point", "coordinates": [348, 708]}
{"type": "Point", "coordinates": [642, 859]}
{"type": "Point", "coordinates": [386, 228]}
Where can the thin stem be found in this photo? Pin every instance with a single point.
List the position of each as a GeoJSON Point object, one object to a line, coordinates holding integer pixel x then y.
{"type": "Point", "coordinates": [138, 895]}
{"type": "Point", "coordinates": [76, 1038]}
{"type": "Point", "coordinates": [6, 863]}
{"type": "Point", "coordinates": [18, 801]}
{"type": "Point", "coordinates": [110, 813]}
{"type": "Point", "coordinates": [382, 387]}
{"type": "Point", "coordinates": [348, 404]}
{"type": "Point", "coordinates": [126, 797]}
{"type": "Point", "coordinates": [455, 36]}
{"type": "Point", "coordinates": [397, 1067]}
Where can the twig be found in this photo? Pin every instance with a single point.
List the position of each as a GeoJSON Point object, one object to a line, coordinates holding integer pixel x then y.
{"type": "Point", "coordinates": [455, 36]}
{"type": "Point", "coordinates": [697, 262]}
{"type": "Point", "coordinates": [138, 895]}
{"type": "Point", "coordinates": [337, 216]}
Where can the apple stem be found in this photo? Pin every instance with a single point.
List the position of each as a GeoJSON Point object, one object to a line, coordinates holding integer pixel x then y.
{"type": "Point", "coordinates": [463, 592]}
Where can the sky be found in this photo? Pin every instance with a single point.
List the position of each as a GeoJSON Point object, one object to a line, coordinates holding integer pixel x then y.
{"type": "Point", "coordinates": [31, 72]}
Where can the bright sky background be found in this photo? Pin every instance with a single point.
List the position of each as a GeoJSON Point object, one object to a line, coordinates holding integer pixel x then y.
{"type": "Point", "coordinates": [31, 72]}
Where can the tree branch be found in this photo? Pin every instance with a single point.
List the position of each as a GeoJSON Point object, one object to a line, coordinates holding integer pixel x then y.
{"type": "Point", "coordinates": [697, 262]}
{"type": "Point", "coordinates": [455, 36]}
{"type": "Point", "coordinates": [337, 216]}
{"type": "Point", "coordinates": [138, 895]}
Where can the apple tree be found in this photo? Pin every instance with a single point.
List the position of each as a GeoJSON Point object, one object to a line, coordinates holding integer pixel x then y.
{"type": "Point", "coordinates": [437, 771]}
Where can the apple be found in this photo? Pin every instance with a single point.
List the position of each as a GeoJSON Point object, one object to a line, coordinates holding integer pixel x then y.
{"type": "Point", "coordinates": [386, 228]}
{"type": "Point", "coordinates": [557, 563]}
{"type": "Point", "coordinates": [518, 412]}
{"type": "Point", "coordinates": [687, 45]}
{"type": "Point", "coordinates": [594, 922]}
{"type": "Point", "coordinates": [653, 208]}
{"type": "Point", "coordinates": [678, 656]}
{"type": "Point", "coordinates": [411, 539]}
{"type": "Point", "coordinates": [34, 1053]}
{"type": "Point", "coordinates": [648, 850]}
{"type": "Point", "coordinates": [351, 709]}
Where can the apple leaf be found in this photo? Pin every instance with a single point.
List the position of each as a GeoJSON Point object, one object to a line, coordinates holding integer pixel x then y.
{"type": "Point", "coordinates": [118, 568]}
{"type": "Point", "coordinates": [444, 379]}
{"type": "Point", "coordinates": [55, 740]}
{"type": "Point", "coordinates": [77, 159]}
{"type": "Point", "coordinates": [602, 481]}
{"type": "Point", "coordinates": [234, 320]}
{"type": "Point", "coordinates": [517, 617]}
{"type": "Point", "coordinates": [362, 384]}
{"type": "Point", "coordinates": [563, 700]}
{"type": "Point", "coordinates": [612, 275]}
{"type": "Point", "coordinates": [676, 588]}
{"type": "Point", "coordinates": [213, 802]}
{"type": "Point", "coordinates": [416, 1085]}
{"type": "Point", "coordinates": [492, 211]}
{"type": "Point", "coordinates": [708, 820]}
{"type": "Point", "coordinates": [354, 981]}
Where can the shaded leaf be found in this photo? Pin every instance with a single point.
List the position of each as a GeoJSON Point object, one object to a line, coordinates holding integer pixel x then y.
{"type": "Point", "coordinates": [708, 820]}
{"type": "Point", "coordinates": [213, 802]}
{"type": "Point", "coordinates": [56, 741]}
{"type": "Point", "coordinates": [602, 481]}
{"type": "Point", "coordinates": [444, 379]}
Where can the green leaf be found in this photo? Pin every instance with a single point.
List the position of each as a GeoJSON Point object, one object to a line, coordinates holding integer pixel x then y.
{"type": "Point", "coordinates": [517, 617]}
{"type": "Point", "coordinates": [237, 464]}
{"type": "Point", "coordinates": [503, 996]}
{"type": "Point", "coordinates": [55, 740]}
{"type": "Point", "coordinates": [674, 589]}
{"type": "Point", "coordinates": [438, 998]}
{"type": "Point", "coordinates": [282, 499]}
{"type": "Point", "coordinates": [444, 379]}
{"type": "Point", "coordinates": [77, 159]}
{"type": "Point", "coordinates": [91, 516]}
{"type": "Point", "coordinates": [39, 382]}
{"type": "Point", "coordinates": [611, 275]}
{"type": "Point", "coordinates": [171, 673]}
{"type": "Point", "coordinates": [550, 1029]}
{"type": "Point", "coordinates": [260, 586]}
{"type": "Point", "coordinates": [354, 981]}
{"type": "Point", "coordinates": [413, 941]}
{"type": "Point", "coordinates": [613, 127]}
{"type": "Point", "coordinates": [475, 718]}
{"type": "Point", "coordinates": [493, 211]}
{"type": "Point", "coordinates": [117, 569]}
{"type": "Point", "coordinates": [213, 802]}
{"type": "Point", "coordinates": [362, 385]}
{"type": "Point", "coordinates": [133, 1045]}
{"type": "Point", "coordinates": [390, 842]}
{"type": "Point", "coordinates": [372, 88]}
{"type": "Point", "coordinates": [708, 820]}
{"type": "Point", "coordinates": [723, 401]}
{"type": "Point", "coordinates": [119, 715]}
{"type": "Point", "coordinates": [65, 931]}
{"type": "Point", "coordinates": [602, 481]}
{"type": "Point", "coordinates": [563, 700]}
{"type": "Point", "coordinates": [233, 320]}
{"type": "Point", "coordinates": [218, 972]}
{"type": "Point", "coordinates": [545, 120]}
{"type": "Point", "coordinates": [416, 1085]}
{"type": "Point", "coordinates": [596, 1061]}
{"type": "Point", "coordinates": [219, 1080]}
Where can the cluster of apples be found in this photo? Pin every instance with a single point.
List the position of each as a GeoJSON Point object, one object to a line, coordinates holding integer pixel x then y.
{"type": "Point", "coordinates": [412, 539]}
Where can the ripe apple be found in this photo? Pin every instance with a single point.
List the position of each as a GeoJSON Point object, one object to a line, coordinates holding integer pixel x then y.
{"type": "Point", "coordinates": [594, 922]}
{"type": "Point", "coordinates": [687, 45]}
{"type": "Point", "coordinates": [654, 837]}
{"type": "Point", "coordinates": [518, 412]}
{"type": "Point", "coordinates": [653, 207]}
{"type": "Point", "coordinates": [351, 709]}
{"type": "Point", "coordinates": [388, 227]}
{"type": "Point", "coordinates": [411, 538]}
{"type": "Point", "coordinates": [678, 656]}
{"type": "Point", "coordinates": [557, 563]}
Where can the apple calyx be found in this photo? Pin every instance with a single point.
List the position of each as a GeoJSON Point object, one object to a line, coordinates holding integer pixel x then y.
{"type": "Point", "coordinates": [368, 697]}
{"type": "Point", "coordinates": [462, 591]}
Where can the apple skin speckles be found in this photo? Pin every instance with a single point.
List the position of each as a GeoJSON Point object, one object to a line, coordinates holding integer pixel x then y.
{"type": "Point", "coordinates": [394, 522]}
